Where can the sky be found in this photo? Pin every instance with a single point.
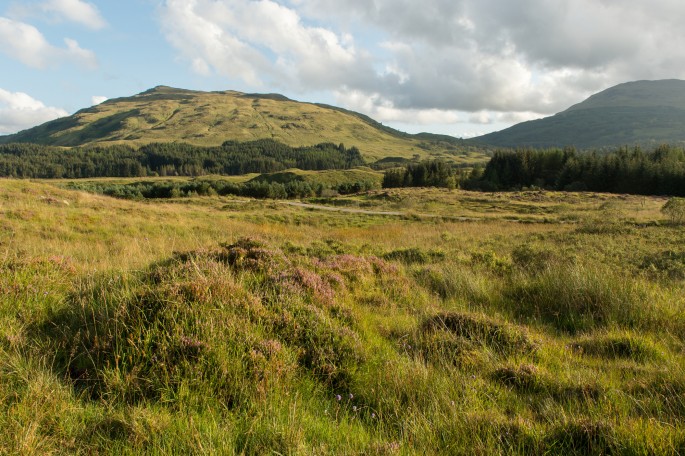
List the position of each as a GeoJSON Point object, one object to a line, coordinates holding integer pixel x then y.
{"type": "Point", "coordinates": [456, 67]}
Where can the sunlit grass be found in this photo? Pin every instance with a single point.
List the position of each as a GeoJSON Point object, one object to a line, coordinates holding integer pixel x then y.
{"type": "Point", "coordinates": [235, 326]}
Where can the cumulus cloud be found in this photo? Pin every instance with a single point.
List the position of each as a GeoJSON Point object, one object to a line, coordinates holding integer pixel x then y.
{"type": "Point", "coordinates": [434, 59]}
{"type": "Point", "coordinates": [263, 41]}
{"type": "Point", "coordinates": [27, 44]}
{"type": "Point", "coordinates": [383, 110]}
{"type": "Point", "coordinates": [97, 99]}
{"type": "Point", "coordinates": [19, 111]}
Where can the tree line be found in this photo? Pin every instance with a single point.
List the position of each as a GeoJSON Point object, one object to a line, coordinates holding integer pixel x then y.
{"type": "Point", "coordinates": [171, 159]}
{"type": "Point", "coordinates": [254, 189]}
{"type": "Point", "coordinates": [624, 170]}
{"type": "Point", "coordinates": [427, 173]}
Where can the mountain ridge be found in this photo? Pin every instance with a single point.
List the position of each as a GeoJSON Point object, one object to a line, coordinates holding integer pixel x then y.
{"type": "Point", "coordinates": [645, 113]}
{"type": "Point", "coordinates": [168, 114]}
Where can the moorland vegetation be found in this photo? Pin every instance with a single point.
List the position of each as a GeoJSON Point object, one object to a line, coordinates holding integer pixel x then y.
{"type": "Point", "coordinates": [425, 321]}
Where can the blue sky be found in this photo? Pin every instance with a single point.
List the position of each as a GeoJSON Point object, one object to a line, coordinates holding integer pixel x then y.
{"type": "Point", "coordinates": [459, 67]}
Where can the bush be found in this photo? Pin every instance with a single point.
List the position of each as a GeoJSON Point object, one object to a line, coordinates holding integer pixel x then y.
{"type": "Point", "coordinates": [674, 209]}
{"type": "Point", "coordinates": [228, 323]}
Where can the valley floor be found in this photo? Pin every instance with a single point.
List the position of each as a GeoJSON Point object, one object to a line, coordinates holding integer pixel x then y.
{"type": "Point", "coordinates": [409, 321]}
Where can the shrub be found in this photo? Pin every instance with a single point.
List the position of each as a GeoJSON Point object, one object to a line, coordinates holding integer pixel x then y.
{"type": "Point", "coordinates": [674, 209]}
{"type": "Point", "coordinates": [229, 323]}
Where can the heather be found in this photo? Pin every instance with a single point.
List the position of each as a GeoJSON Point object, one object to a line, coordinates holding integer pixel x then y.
{"type": "Point", "coordinates": [428, 321]}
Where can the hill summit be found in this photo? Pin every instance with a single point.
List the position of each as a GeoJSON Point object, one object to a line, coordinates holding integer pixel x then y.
{"type": "Point", "coordinates": [641, 112]}
{"type": "Point", "coordinates": [167, 114]}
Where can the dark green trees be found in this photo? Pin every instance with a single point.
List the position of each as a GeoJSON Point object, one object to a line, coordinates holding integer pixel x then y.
{"type": "Point", "coordinates": [423, 174]}
{"type": "Point", "coordinates": [171, 159]}
{"type": "Point", "coordinates": [661, 172]}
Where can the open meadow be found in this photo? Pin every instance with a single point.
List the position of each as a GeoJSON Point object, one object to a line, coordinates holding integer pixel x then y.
{"type": "Point", "coordinates": [394, 321]}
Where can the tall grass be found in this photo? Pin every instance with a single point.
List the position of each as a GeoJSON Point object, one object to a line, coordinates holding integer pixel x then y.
{"type": "Point", "coordinates": [403, 337]}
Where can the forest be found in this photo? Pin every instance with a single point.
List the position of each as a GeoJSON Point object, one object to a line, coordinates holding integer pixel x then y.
{"type": "Point", "coordinates": [633, 171]}
{"type": "Point", "coordinates": [171, 159]}
{"type": "Point", "coordinates": [427, 173]}
{"type": "Point", "coordinates": [658, 172]}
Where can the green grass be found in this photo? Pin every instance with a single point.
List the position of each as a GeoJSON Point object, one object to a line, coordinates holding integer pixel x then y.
{"type": "Point", "coordinates": [233, 326]}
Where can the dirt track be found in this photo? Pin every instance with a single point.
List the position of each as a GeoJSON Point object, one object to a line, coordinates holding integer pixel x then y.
{"type": "Point", "coordinates": [367, 212]}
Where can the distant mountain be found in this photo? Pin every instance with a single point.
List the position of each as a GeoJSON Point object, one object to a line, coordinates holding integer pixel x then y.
{"type": "Point", "coordinates": [166, 114]}
{"type": "Point", "coordinates": [641, 112]}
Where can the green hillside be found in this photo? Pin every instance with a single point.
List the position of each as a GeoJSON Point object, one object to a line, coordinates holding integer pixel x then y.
{"type": "Point", "coordinates": [641, 112]}
{"type": "Point", "coordinates": [165, 114]}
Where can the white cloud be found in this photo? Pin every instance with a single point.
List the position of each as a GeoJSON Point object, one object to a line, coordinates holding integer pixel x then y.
{"type": "Point", "coordinates": [76, 11]}
{"type": "Point", "coordinates": [19, 111]}
{"type": "Point", "coordinates": [436, 59]}
{"type": "Point", "coordinates": [84, 13]}
{"type": "Point", "coordinates": [384, 111]}
{"type": "Point", "coordinates": [202, 39]}
{"type": "Point", "coordinates": [517, 117]}
{"type": "Point", "coordinates": [480, 117]}
{"type": "Point", "coordinates": [260, 42]}
{"type": "Point", "coordinates": [27, 44]}
{"type": "Point", "coordinates": [97, 99]}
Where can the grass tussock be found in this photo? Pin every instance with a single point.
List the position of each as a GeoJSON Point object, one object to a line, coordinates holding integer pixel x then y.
{"type": "Point", "coordinates": [500, 337]}
{"type": "Point", "coordinates": [578, 298]}
{"type": "Point", "coordinates": [415, 256]}
{"type": "Point", "coordinates": [207, 320]}
{"type": "Point", "coordinates": [530, 380]}
{"type": "Point", "coordinates": [621, 345]}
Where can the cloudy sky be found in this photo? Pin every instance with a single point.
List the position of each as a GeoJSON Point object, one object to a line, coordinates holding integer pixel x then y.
{"type": "Point", "coordinates": [459, 67]}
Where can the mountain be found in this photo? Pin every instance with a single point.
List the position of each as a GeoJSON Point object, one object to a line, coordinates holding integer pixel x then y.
{"type": "Point", "coordinates": [641, 112]}
{"type": "Point", "coordinates": [166, 114]}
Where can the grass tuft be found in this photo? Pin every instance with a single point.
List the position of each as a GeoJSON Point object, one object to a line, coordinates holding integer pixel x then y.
{"type": "Point", "coordinates": [500, 337]}
{"type": "Point", "coordinates": [578, 298]}
{"type": "Point", "coordinates": [618, 346]}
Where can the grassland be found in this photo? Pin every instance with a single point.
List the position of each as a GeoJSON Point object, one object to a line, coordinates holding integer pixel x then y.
{"type": "Point", "coordinates": [467, 323]}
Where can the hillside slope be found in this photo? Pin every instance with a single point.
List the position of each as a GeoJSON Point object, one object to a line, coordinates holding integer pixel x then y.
{"type": "Point", "coordinates": [641, 112]}
{"type": "Point", "coordinates": [165, 114]}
